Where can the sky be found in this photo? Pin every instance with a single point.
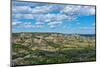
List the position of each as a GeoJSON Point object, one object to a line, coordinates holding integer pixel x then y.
{"type": "Point", "coordinates": [47, 17]}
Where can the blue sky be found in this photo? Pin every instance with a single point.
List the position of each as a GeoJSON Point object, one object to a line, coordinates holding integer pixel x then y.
{"type": "Point", "coordinates": [44, 17]}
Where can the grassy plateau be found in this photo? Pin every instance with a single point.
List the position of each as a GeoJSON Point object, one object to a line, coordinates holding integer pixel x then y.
{"type": "Point", "coordinates": [52, 48]}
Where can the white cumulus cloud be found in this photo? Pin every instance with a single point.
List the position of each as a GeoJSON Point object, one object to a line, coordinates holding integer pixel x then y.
{"type": "Point", "coordinates": [79, 10]}
{"type": "Point", "coordinates": [41, 9]}
{"type": "Point", "coordinates": [54, 23]}
{"type": "Point", "coordinates": [21, 9]}
{"type": "Point", "coordinates": [16, 23]}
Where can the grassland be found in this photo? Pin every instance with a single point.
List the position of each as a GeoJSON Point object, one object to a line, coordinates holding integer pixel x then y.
{"type": "Point", "coordinates": [51, 48]}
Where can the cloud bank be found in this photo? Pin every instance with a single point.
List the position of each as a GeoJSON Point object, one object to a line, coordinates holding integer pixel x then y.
{"type": "Point", "coordinates": [52, 15]}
